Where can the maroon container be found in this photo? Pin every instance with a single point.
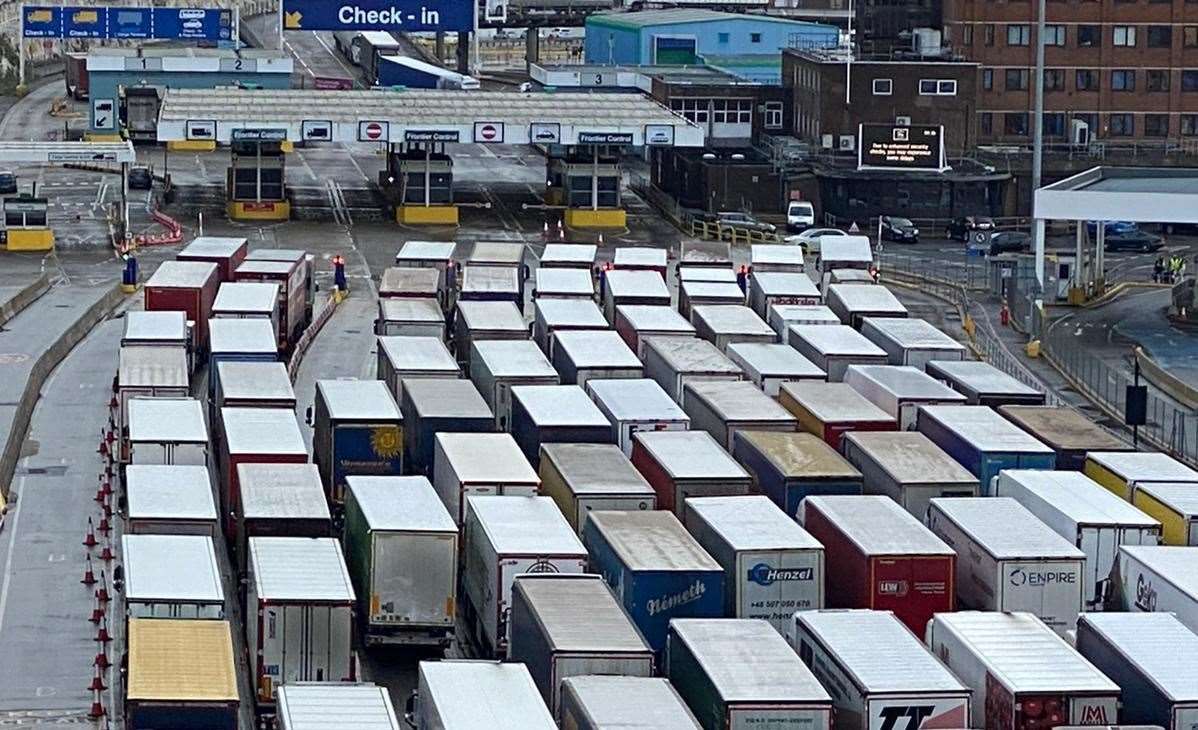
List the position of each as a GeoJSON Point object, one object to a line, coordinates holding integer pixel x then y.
{"type": "Point", "coordinates": [227, 253]}
{"type": "Point", "coordinates": [188, 287]}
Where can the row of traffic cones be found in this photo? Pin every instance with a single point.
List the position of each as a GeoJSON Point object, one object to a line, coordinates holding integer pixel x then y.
{"type": "Point", "coordinates": [100, 595]}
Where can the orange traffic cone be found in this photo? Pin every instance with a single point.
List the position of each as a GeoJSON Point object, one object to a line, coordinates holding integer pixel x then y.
{"type": "Point", "coordinates": [101, 661]}
{"type": "Point", "coordinates": [102, 636]}
{"type": "Point", "coordinates": [97, 612]}
{"type": "Point", "coordinates": [97, 684]}
{"type": "Point", "coordinates": [104, 526]}
{"type": "Point", "coordinates": [106, 554]}
{"type": "Point", "coordinates": [103, 448]}
{"type": "Point", "coordinates": [97, 710]}
{"type": "Point", "coordinates": [89, 578]}
{"type": "Point", "coordinates": [90, 539]}
{"type": "Point", "coordinates": [106, 486]}
{"type": "Point", "coordinates": [106, 508]}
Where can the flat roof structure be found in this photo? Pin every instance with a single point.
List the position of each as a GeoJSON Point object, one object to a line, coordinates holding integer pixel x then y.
{"type": "Point", "coordinates": [52, 152]}
{"type": "Point", "coordinates": [1138, 194]}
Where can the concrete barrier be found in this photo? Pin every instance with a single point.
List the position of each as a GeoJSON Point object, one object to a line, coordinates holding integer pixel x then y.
{"type": "Point", "coordinates": [305, 340]}
{"type": "Point", "coordinates": [23, 299]}
{"type": "Point", "coordinates": [1167, 383]}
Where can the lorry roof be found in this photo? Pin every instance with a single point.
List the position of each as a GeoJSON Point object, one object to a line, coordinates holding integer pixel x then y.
{"type": "Point", "coordinates": [773, 253]}
{"type": "Point", "coordinates": [571, 313]}
{"type": "Point", "coordinates": [426, 251]}
{"type": "Point", "coordinates": [408, 353]}
{"type": "Point", "coordinates": [845, 250]}
{"type": "Point", "coordinates": [911, 458]}
{"type": "Point", "coordinates": [706, 273]}
{"type": "Point", "coordinates": [634, 399]}
{"type": "Point", "coordinates": [655, 318]}
{"type": "Point", "coordinates": [564, 281]}
{"type": "Point", "coordinates": [639, 256]}
{"type": "Point", "coordinates": [299, 569]}
{"type": "Point", "coordinates": [698, 290]}
{"type": "Point", "coordinates": [277, 254]}
{"type": "Point", "coordinates": [831, 339]}
{"type": "Point", "coordinates": [152, 365]}
{"type": "Point", "coordinates": [180, 568]}
{"type": "Point", "coordinates": [262, 431]}
{"type": "Point", "coordinates": [595, 469]}
{"type": "Point", "coordinates": [242, 336]}
{"type": "Point", "coordinates": [1064, 428]}
{"type": "Point", "coordinates": [706, 253]}
{"type": "Point", "coordinates": [266, 266]}
{"type": "Point", "coordinates": [984, 429]}
{"type": "Point", "coordinates": [751, 522]}
{"type": "Point", "coordinates": [631, 703]}
{"type": "Point", "coordinates": [786, 284]}
{"type": "Point", "coordinates": [1179, 496]}
{"type": "Point", "coordinates": [1023, 653]}
{"type": "Point", "coordinates": [265, 380]}
{"type": "Point", "coordinates": [153, 326]}
{"type": "Point", "coordinates": [1153, 642]}
{"type": "Point", "coordinates": [477, 278]}
{"type": "Point", "coordinates": [400, 504]}
{"type": "Point", "coordinates": [835, 402]}
{"type": "Point", "coordinates": [731, 319]}
{"type": "Point", "coordinates": [579, 614]}
{"type": "Point", "coordinates": [738, 401]}
{"type": "Point", "coordinates": [747, 660]}
{"type": "Point", "coordinates": [445, 398]}
{"type": "Point", "coordinates": [339, 706]}
{"type": "Point", "coordinates": [213, 246]}
{"type": "Point", "coordinates": [409, 281]}
{"type": "Point", "coordinates": [1080, 498]}
{"type": "Point", "coordinates": [652, 540]}
{"type": "Point", "coordinates": [857, 298]}
{"type": "Point", "coordinates": [524, 525]}
{"type": "Point", "coordinates": [485, 694]}
{"type": "Point", "coordinates": [181, 659]}
{"type": "Point", "coordinates": [878, 525]}
{"type": "Point", "coordinates": [799, 455]}
{"type": "Point", "coordinates": [691, 355]}
{"type": "Point", "coordinates": [979, 376]}
{"type": "Point", "coordinates": [410, 309]}
{"type": "Point", "coordinates": [175, 491]}
{"type": "Point", "coordinates": [182, 275]}
{"type": "Point", "coordinates": [579, 253]}
{"type": "Point", "coordinates": [246, 296]}
{"type": "Point", "coordinates": [513, 358]}
{"type": "Point", "coordinates": [636, 283]}
{"type": "Point", "coordinates": [175, 420]}
{"type": "Point", "coordinates": [1174, 564]}
{"type": "Point", "coordinates": [879, 652]}
{"type": "Point", "coordinates": [1143, 466]}
{"type": "Point", "coordinates": [491, 316]}
{"type": "Point", "coordinates": [282, 491]}
{"type": "Point", "coordinates": [1005, 529]}
{"type": "Point", "coordinates": [818, 312]}
{"type": "Point", "coordinates": [486, 457]}
{"type": "Point", "coordinates": [358, 400]}
{"type": "Point", "coordinates": [597, 349]}
{"type": "Point", "coordinates": [496, 252]}
{"type": "Point", "coordinates": [690, 455]}
{"type": "Point", "coordinates": [912, 332]}
{"type": "Point", "coordinates": [559, 405]}
{"type": "Point", "coordinates": [904, 382]}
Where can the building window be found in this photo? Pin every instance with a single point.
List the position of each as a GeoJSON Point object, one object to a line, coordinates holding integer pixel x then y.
{"type": "Point", "coordinates": [1015, 123]}
{"type": "Point", "coordinates": [723, 37]}
{"type": "Point", "coordinates": [1189, 80]}
{"type": "Point", "coordinates": [1054, 124]}
{"type": "Point", "coordinates": [753, 37]}
{"type": "Point", "coordinates": [1156, 125]}
{"type": "Point", "coordinates": [773, 115]}
{"type": "Point", "coordinates": [987, 79]}
{"type": "Point", "coordinates": [967, 35]}
{"type": "Point", "coordinates": [693, 110]}
{"type": "Point", "coordinates": [1019, 35]}
{"type": "Point", "coordinates": [987, 122]}
{"type": "Point", "coordinates": [938, 87]}
{"type": "Point", "coordinates": [1160, 36]}
{"type": "Point", "coordinates": [1054, 35]}
{"type": "Point", "coordinates": [1054, 79]}
{"type": "Point", "coordinates": [1089, 36]}
{"type": "Point", "coordinates": [1017, 79]}
{"type": "Point", "coordinates": [1122, 125]}
{"type": "Point", "coordinates": [1124, 35]}
{"type": "Point", "coordinates": [883, 87]}
{"type": "Point", "coordinates": [1086, 79]}
{"type": "Point", "coordinates": [1123, 80]}
{"type": "Point", "coordinates": [988, 34]}
{"type": "Point", "coordinates": [1189, 35]}
{"type": "Point", "coordinates": [1157, 80]}
{"type": "Point", "coordinates": [1189, 125]}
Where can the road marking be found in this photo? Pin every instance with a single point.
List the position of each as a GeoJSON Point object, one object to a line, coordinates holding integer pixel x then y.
{"type": "Point", "coordinates": [12, 538]}
{"type": "Point", "coordinates": [349, 72]}
{"type": "Point", "coordinates": [299, 58]}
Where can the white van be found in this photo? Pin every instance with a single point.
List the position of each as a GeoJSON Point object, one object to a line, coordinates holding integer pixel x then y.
{"type": "Point", "coordinates": [799, 215]}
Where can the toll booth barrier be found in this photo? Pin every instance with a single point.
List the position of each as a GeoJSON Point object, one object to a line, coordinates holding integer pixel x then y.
{"type": "Point", "coordinates": [254, 185]}
{"type": "Point", "coordinates": [418, 181]}
{"type": "Point", "coordinates": [586, 180]}
{"type": "Point", "coordinates": [26, 224]}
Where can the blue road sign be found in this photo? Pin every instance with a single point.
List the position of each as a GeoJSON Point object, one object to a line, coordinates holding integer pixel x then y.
{"type": "Point", "coordinates": [387, 15]}
{"type": "Point", "coordinates": [193, 24]}
{"type": "Point", "coordinates": [130, 23]}
{"type": "Point", "coordinates": [198, 24]}
{"type": "Point", "coordinates": [42, 22]}
{"type": "Point", "coordinates": [85, 22]}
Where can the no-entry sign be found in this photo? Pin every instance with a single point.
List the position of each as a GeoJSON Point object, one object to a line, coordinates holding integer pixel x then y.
{"type": "Point", "coordinates": [488, 132]}
{"type": "Point", "coordinates": [373, 131]}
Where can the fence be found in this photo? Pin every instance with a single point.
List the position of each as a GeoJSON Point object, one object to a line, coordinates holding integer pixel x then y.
{"type": "Point", "coordinates": [969, 273]}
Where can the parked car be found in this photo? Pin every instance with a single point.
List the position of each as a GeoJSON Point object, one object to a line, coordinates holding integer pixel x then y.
{"type": "Point", "coordinates": [1134, 240]}
{"type": "Point", "coordinates": [809, 239]}
{"type": "Point", "coordinates": [800, 215]}
{"type": "Point", "coordinates": [744, 220]}
{"type": "Point", "coordinates": [1009, 242]}
{"type": "Point", "coordinates": [1112, 228]}
{"type": "Point", "coordinates": [140, 178]}
{"type": "Point", "coordinates": [899, 229]}
{"type": "Point", "coordinates": [8, 183]}
{"type": "Point", "coordinates": [960, 228]}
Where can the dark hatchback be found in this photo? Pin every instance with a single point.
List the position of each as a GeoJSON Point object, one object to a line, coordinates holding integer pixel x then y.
{"type": "Point", "coordinates": [899, 229]}
{"type": "Point", "coordinates": [1009, 242]}
{"type": "Point", "coordinates": [1135, 240]}
{"type": "Point", "coordinates": [960, 228]}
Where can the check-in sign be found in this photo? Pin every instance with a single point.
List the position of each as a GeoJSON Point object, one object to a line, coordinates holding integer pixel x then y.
{"type": "Point", "coordinates": [387, 15]}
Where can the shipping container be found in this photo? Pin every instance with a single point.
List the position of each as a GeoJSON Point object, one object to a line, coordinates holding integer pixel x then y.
{"type": "Point", "coordinates": [189, 287]}
{"type": "Point", "coordinates": [1008, 560]}
{"type": "Point", "coordinates": [772, 566]}
{"type": "Point", "coordinates": [254, 436]}
{"type": "Point", "coordinates": [252, 385]}
{"type": "Point", "coordinates": [292, 278]}
{"type": "Point", "coordinates": [147, 372]}
{"type": "Point", "coordinates": [411, 318]}
{"type": "Point", "coordinates": [1151, 578]}
{"type": "Point", "coordinates": [723, 409]}
{"type": "Point", "coordinates": [1123, 471]}
{"type": "Point", "coordinates": [583, 355]}
{"type": "Point", "coordinates": [158, 329]}
{"type": "Point", "coordinates": [834, 347]}
{"type": "Point", "coordinates": [983, 441]}
{"type": "Point", "coordinates": [881, 676]}
{"type": "Point", "coordinates": [496, 366]}
{"type": "Point", "coordinates": [623, 703]}
{"type": "Point", "coordinates": [633, 405]}
{"type": "Point", "coordinates": [504, 537]}
{"type": "Point", "coordinates": [1085, 514]}
{"type": "Point", "coordinates": [772, 289]}
{"type": "Point", "coordinates": [739, 673]}
{"type": "Point", "coordinates": [851, 276]}
{"type": "Point", "coordinates": [882, 557]}
{"type": "Point", "coordinates": [439, 404]}
{"type": "Point", "coordinates": [782, 316]}
{"type": "Point", "coordinates": [171, 576]}
{"type": "Point", "coordinates": [767, 257]}
{"type": "Point", "coordinates": [912, 341]}
{"type": "Point", "coordinates": [1175, 505]}
{"type": "Point", "coordinates": [1022, 674]}
{"type": "Point", "coordinates": [247, 300]}
{"type": "Point", "coordinates": [640, 259]}
{"type": "Point", "coordinates": [433, 255]}
{"type": "Point", "coordinates": [1066, 431]}
{"type": "Point", "coordinates": [721, 325]}
{"type": "Point", "coordinates": [560, 315]}
{"type": "Point", "coordinates": [568, 256]}
{"type": "Point", "coordinates": [582, 478]}
{"type": "Point", "coordinates": [299, 614]}
{"type": "Point", "coordinates": [907, 467]}
{"type": "Point", "coordinates": [564, 284]}
{"type": "Point", "coordinates": [681, 464]}
{"type": "Point", "coordinates": [335, 706]}
{"type": "Point", "coordinates": [357, 429]}
{"type": "Point", "coordinates": [697, 254]}
{"type": "Point", "coordinates": [789, 467]}
{"type": "Point", "coordinates": [569, 626]}
{"type": "Point", "coordinates": [842, 253]}
{"type": "Point", "coordinates": [982, 384]}
{"type": "Point", "coordinates": [301, 258]}
{"type": "Point", "coordinates": [1139, 652]}
{"type": "Point", "coordinates": [693, 294]}
{"type": "Point", "coordinates": [170, 500]}
{"type": "Point", "coordinates": [226, 252]}
{"type": "Point", "coordinates": [401, 548]}
{"type": "Point", "coordinates": [657, 570]}
{"type": "Point", "coordinates": [402, 358]}
{"type": "Point", "coordinates": [723, 274]}
{"type": "Point", "coordinates": [485, 321]}
{"type": "Point", "coordinates": [900, 390]}
{"type": "Point", "coordinates": [467, 694]}
{"type": "Point", "coordinates": [167, 431]}
{"type": "Point", "coordinates": [853, 304]}
{"type": "Point", "coordinates": [239, 340]}
{"type": "Point", "coordinates": [181, 674]}
{"type": "Point", "coordinates": [830, 410]}
{"type": "Point", "coordinates": [622, 288]}
{"type": "Point", "coordinates": [545, 414]}
{"type": "Point", "coordinates": [279, 500]}
{"type": "Point", "coordinates": [403, 282]}
{"type": "Point", "coordinates": [491, 284]}
{"type": "Point", "coordinates": [482, 464]}
{"type": "Point", "coordinates": [500, 255]}
{"type": "Point", "coordinates": [675, 361]}
{"type": "Point", "coordinates": [636, 322]}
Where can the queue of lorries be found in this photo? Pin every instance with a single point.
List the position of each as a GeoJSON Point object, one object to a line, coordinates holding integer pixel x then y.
{"type": "Point", "coordinates": [789, 506]}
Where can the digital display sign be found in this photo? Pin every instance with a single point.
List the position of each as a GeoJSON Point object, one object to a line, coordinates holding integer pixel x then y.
{"type": "Point", "coordinates": [900, 147]}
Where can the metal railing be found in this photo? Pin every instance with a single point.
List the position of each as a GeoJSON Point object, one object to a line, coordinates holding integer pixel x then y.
{"type": "Point", "coordinates": [944, 274]}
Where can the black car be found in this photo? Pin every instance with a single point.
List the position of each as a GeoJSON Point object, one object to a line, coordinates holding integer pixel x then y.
{"type": "Point", "coordinates": [1009, 242]}
{"type": "Point", "coordinates": [140, 178]}
{"type": "Point", "coordinates": [960, 228]}
{"type": "Point", "coordinates": [899, 229]}
{"type": "Point", "coordinates": [1136, 240]}
{"type": "Point", "coordinates": [8, 183]}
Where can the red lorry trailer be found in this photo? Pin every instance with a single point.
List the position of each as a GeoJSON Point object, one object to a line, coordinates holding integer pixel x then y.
{"type": "Point", "coordinates": [293, 294]}
{"type": "Point", "coordinates": [224, 251]}
{"type": "Point", "coordinates": [188, 287]}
